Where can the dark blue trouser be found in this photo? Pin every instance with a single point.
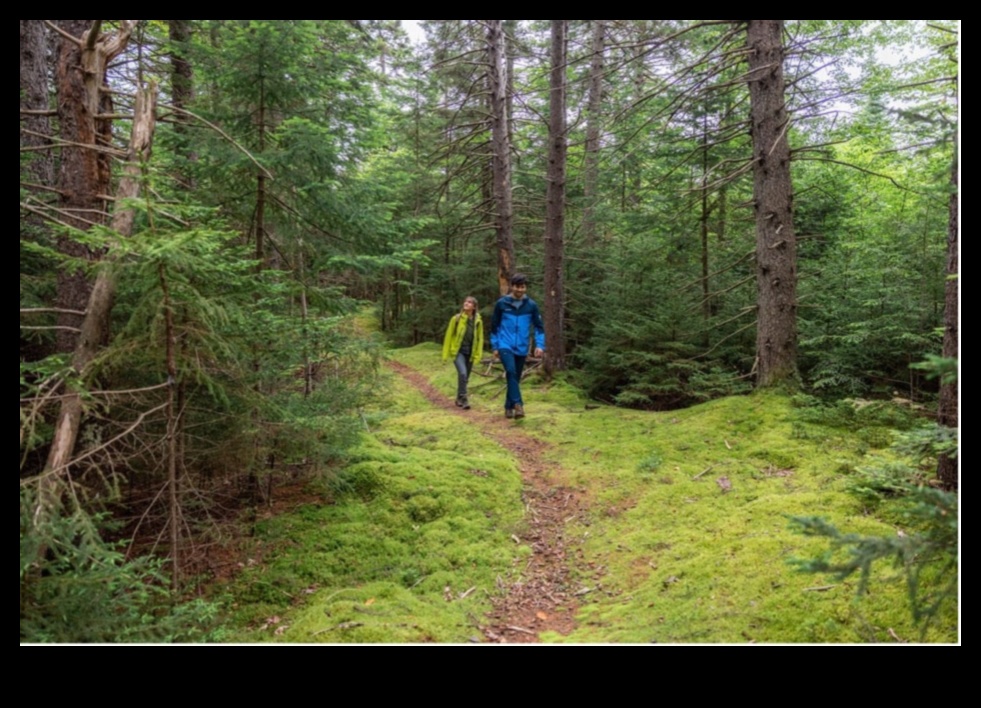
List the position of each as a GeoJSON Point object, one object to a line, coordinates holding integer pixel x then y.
{"type": "Point", "coordinates": [513, 366]}
{"type": "Point", "coordinates": [463, 364]}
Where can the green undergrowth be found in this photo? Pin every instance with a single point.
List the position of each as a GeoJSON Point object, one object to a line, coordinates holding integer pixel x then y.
{"type": "Point", "coordinates": [415, 531]}
{"type": "Point", "coordinates": [689, 537]}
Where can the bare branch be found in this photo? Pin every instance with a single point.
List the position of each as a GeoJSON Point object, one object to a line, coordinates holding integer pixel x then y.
{"type": "Point", "coordinates": [63, 33]}
{"type": "Point", "coordinates": [727, 337]}
{"type": "Point", "coordinates": [27, 310]}
{"type": "Point", "coordinates": [224, 135]}
{"type": "Point", "coordinates": [65, 327]}
{"type": "Point", "coordinates": [92, 36]}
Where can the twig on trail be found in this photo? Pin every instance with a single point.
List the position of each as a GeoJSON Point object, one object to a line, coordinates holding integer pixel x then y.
{"type": "Point", "coordinates": [516, 539]}
{"type": "Point", "coordinates": [702, 472]}
{"type": "Point", "coordinates": [728, 446]}
{"type": "Point", "coordinates": [584, 591]}
{"type": "Point", "coordinates": [520, 629]}
{"type": "Point", "coordinates": [342, 625]}
{"type": "Point", "coordinates": [335, 594]}
{"type": "Point", "coordinates": [820, 588]}
{"type": "Point", "coordinates": [464, 594]}
{"type": "Point", "coordinates": [895, 636]}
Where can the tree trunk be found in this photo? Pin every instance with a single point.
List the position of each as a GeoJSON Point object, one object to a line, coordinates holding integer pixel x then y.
{"type": "Point", "coordinates": [704, 223]}
{"type": "Point", "coordinates": [84, 175]}
{"type": "Point", "coordinates": [95, 325]}
{"type": "Point", "coordinates": [260, 196]}
{"type": "Point", "coordinates": [182, 90]}
{"type": "Point", "coordinates": [776, 246]}
{"type": "Point", "coordinates": [947, 411]}
{"type": "Point", "coordinates": [34, 97]}
{"type": "Point", "coordinates": [501, 154]}
{"type": "Point", "coordinates": [173, 430]}
{"type": "Point", "coordinates": [594, 108]}
{"type": "Point", "coordinates": [555, 205]}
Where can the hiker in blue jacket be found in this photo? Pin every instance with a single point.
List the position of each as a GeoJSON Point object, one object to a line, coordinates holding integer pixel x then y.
{"type": "Point", "coordinates": [515, 316]}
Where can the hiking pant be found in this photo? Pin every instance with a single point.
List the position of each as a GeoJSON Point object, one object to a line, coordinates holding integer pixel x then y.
{"type": "Point", "coordinates": [463, 364]}
{"type": "Point", "coordinates": [513, 366]}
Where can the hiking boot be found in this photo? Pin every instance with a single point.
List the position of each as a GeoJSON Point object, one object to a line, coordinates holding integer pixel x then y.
{"type": "Point", "coordinates": [519, 411]}
{"type": "Point", "coordinates": [459, 402]}
{"type": "Point", "coordinates": [509, 413]}
{"type": "Point", "coordinates": [464, 403]}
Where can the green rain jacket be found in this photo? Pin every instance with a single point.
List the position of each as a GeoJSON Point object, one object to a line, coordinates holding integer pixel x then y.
{"type": "Point", "coordinates": [454, 337]}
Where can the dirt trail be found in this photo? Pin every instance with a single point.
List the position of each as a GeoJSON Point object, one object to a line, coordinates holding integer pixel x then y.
{"type": "Point", "coordinates": [541, 598]}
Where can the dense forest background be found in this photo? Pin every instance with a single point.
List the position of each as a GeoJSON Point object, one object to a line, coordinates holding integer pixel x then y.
{"type": "Point", "coordinates": [702, 206]}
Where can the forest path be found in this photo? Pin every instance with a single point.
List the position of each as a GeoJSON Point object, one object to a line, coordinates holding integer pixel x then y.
{"type": "Point", "coordinates": [541, 598]}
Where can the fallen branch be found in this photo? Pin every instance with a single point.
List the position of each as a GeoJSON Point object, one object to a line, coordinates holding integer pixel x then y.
{"type": "Point", "coordinates": [342, 625]}
{"type": "Point", "coordinates": [895, 636]}
{"type": "Point", "coordinates": [703, 472]}
{"type": "Point", "coordinates": [520, 629]}
{"type": "Point", "coordinates": [820, 588]}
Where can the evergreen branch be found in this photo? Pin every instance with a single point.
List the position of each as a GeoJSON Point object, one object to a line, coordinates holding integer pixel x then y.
{"type": "Point", "coordinates": [225, 135]}
{"type": "Point", "coordinates": [861, 169]}
{"type": "Point", "coordinates": [727, 337]}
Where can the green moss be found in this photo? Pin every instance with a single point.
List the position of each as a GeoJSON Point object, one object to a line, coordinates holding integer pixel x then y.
{"type": "Point", "coordinates": [687, 540]}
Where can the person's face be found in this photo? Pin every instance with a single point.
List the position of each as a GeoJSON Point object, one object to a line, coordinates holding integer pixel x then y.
{"type": "Point", "coordinates": [468, 306]}
{"type": "Point", "coordinates": [518, 290]}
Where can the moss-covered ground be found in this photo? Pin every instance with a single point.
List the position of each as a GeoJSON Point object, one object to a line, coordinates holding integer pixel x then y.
{"type": "Point", "coordinates": [688, 538]}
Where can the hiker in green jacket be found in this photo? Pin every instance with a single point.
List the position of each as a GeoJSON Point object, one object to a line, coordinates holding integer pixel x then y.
{"type": "Point", "coordinates": [464, 342]}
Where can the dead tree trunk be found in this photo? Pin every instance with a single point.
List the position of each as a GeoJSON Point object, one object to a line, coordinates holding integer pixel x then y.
{"type": "Point", "coordinates": [84, 175]}
{"type": "Point", "coordinates": [95, 325]}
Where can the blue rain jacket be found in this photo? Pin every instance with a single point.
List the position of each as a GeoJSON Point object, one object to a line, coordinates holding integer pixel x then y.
{"type": "Point", "coordinates": [512, 325]}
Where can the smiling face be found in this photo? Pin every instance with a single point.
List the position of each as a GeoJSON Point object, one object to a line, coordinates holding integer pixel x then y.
{"type": "Point", "coordinates": [469, 306]}
{"type": "Point", "coordinates": [518, 290]}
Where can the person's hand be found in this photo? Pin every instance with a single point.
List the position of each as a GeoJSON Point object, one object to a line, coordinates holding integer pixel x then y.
{"type": "Point", "coordinates": [539, 353]}
{"type": "Point", "coordinates": [496, 355]}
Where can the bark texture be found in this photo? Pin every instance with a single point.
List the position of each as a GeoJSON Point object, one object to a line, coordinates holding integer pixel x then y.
{"type": "Point", "coordinates": [776, 244]}
{"type": "Point", "coordinates": [95, 325]}
{"type": "Point", "coordinates": [594, 107]}
{"type": "Point", "coordinates": [84, 174]}
{"type": "Point", "coordinates": [34, 97]}
{"type": "Point", "coordinates": [501, 153]}
{"type": "Point", "coordinates": [555, 205]}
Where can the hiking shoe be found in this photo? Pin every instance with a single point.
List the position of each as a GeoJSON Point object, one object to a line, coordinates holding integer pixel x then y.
{"type": "Point", "coordinates": [519, 411]}
{"type": "Point", "coordinates": [459, 402]}
{"type": "Point", "coordinates": [464, 403]}
{"type": "Point", "coordinates": [509, 413]}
